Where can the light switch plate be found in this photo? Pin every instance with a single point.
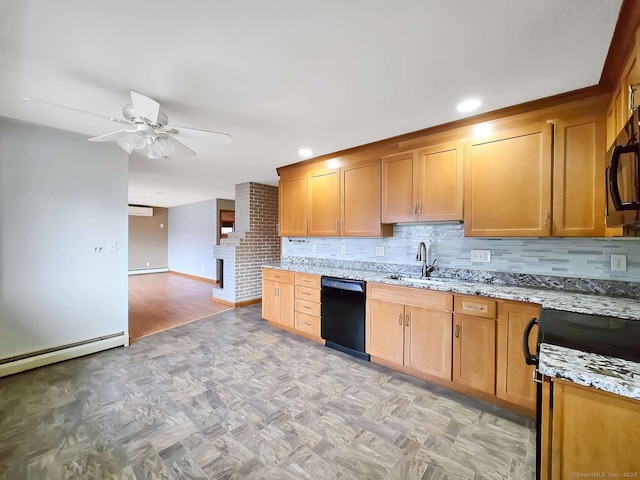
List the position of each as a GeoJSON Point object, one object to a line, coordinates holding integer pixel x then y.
{"type": "Point", "coordinates": [618, 263]}
{"type": "Point", "coordinates": [314, 248]}
{"type": "Point", "coordinates": [112, 246]}
{"type": "Point", "coordinates": [343, 249]}
{"type": "Point", "coordinates": [481, 256]}
{"type": "Point", "coordinates": [379, 252]}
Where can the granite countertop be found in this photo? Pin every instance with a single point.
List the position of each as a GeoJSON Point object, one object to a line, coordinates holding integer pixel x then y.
{"type": "Point", "coordinates": [613, 375]}
{"type": "Point", "coordinates": [553, 299]}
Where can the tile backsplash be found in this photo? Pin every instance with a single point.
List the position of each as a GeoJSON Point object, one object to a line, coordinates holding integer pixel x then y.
{"type": "Point", "coordinates": [566, 257]}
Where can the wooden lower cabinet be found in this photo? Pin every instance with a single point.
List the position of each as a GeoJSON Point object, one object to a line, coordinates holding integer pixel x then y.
{"type": "Point", "coordinates": [411, 336]}
{"type": "Point", "coordinates": [385, 330]}
{"type": "Point", "coordinates": [588, 431]}
{"type": "Point", "coordinates": [514, 382]}
{"type": "Point", "coordinates": [474, 352]}
{"type": "Point", "coordinates": [427, 342]}
{"type": "Point", "coordinates": [277, 302]}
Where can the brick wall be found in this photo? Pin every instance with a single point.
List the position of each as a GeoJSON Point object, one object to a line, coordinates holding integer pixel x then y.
{"type": "Point", "coordinates": [254, 243]}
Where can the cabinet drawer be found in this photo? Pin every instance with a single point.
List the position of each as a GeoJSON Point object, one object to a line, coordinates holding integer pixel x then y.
{"type": "Point", "coordinates": [474, 306]}
{"type": "Point", "coordinates": [418, 297]}
{"type": "Point", "coordinates": [308, 323]}
{"type": "Point", "coordinates": [308, 280]}
{"type": "Point", "coordinates": [306, 293]}
{"type": "Point", "coordinates": [277, 275]}
{"type": "Point", "coordinates": [310, 308]}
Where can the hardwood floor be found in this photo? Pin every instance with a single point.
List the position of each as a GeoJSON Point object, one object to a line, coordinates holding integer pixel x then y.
{"type": "Point", "coordinates": [159, 301]}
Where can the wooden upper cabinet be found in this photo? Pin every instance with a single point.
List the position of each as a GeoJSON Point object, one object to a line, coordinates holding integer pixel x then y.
{"type": "Point", "coordinates": [399, 195]}
{"type": "Point", "coordinates": [508, 183]}
{"type": "Point", "coordinates": [474, 352]}
{"type": "Point", "coordinates": [578, 177]}
{"type": "Point", "coordinates": [293, 206]}
{"type": "Point", "coordinates": [361, 200]}
{"type": "Point", "coordinates": [514, 381]}
{"type": "Point", "coordinates": [324, 203]}
{"type": "Point", "coordinates": [440, 182]}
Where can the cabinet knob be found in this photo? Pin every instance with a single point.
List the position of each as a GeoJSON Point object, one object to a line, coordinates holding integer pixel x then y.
{"type": "Point", "coordinates": [457, 331]}
{"type": "Point", "coordinates": [547, 217]}
{"type": "Point", "coordinates": [400, 319]}
{"type": "Point", "coordinates": [407, 319]}
{"type": "Point", "coordinates": [415, 208]}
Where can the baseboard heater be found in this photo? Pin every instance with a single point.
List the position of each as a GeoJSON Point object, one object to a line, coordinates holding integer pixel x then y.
{"type": "Point", "coordinates": [40, 358]}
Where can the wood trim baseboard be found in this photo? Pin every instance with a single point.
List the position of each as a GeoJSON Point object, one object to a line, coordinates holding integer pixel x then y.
{"type": "Point", "coordinates": [236, 304]}
{"type": "Point", "coordinates": [202, 279]}
{"type": "Point", "coordinates": [470, 392]}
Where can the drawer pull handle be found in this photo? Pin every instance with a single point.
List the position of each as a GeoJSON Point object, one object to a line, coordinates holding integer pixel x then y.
{"type": "Point", "coordinates": [277, 276]}
{"type": "Point", "coordinates": [471, 306]}
{"type": "Point", "coordinates": [458, 331]}
{"type": "Point", "coordinates": [308, 308]}
{"type": "Point", "coordinates": [400, 319]}
{"type": "Point", "coordinates": [307, 324]}
{"type": "Point", "coordinates": [307, 281]}
{"type": "Point", "coordinates": [407, 319]}
{"type": "Point", "coordinates": [305, 293]}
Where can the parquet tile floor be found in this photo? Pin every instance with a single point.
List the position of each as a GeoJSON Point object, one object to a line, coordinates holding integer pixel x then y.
{"type": "Point", "coordinates": [229, 397]}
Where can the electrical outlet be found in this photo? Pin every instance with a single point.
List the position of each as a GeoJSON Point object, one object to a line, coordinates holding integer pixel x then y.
{"type": "Point", "coordinates": [148, 264]}
{"type": "Point", "coordinates": [314, 248]}
{"type": "Point", "coordinates": [343, 249]}
{"type": "Point", "coordinates": [481, 256]}
{"type": "Point", "coordinates": [379, 252]}
{"type": "Point", "coordinates": [618, 263]}
{"type": "Point", "coordinates": [162, 225]}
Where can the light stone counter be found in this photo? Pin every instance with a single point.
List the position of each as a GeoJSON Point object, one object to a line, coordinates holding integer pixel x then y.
{"type": "Point", "coordinates": [553, 299]}
{"type": "Point", "coordinates": [613, 375]}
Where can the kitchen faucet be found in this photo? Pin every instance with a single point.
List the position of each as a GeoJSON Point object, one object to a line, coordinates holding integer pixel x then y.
{"type": "Point", "coordinates": [422, 255]}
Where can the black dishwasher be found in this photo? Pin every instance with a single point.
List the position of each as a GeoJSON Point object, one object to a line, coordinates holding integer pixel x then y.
{"type": "Point", "coordinates": [343, 304]}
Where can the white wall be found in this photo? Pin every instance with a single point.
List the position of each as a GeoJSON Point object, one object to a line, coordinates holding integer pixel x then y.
{"type": "Point", "coordinates": [60, 196]}
{"type": "Point", "coordinates": [192, 234]}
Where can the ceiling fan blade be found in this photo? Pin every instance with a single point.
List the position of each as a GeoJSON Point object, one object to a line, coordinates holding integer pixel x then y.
{"type": "Point", "coordinates": [110, 137]}
{"type": "Point", "coordinates": [119, 120]}
{"type": "Point", "coordinates": [217, 137]}
{"type": "Point", "coordinates": [144, 106]}
{"type": "Point", "coordinates": [180, 149]}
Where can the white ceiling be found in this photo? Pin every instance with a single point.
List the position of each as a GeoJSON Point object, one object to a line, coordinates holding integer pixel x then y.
{"type": "Point", "coordinates": [279, 75]}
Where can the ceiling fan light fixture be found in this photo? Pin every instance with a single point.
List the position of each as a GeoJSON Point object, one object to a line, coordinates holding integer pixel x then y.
{"type": "Point", "coordinates": [154, 150]}
{"type": "Point", "coordinates": [166, 147]}
{"type": "Point", "coordinates": [136, 139]}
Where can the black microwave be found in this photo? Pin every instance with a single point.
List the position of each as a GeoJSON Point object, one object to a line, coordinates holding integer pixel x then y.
{"type": "Point", "coordinates": [623, 177]}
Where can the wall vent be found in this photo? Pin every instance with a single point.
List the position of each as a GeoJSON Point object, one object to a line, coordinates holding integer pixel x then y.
{"type": "Point", "coordinates": [141, 211]}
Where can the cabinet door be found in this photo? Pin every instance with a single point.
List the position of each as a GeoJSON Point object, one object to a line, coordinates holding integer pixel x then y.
{"type": "Point", "coordinates": [593, 431]}
{"type": "Point", "coordinates": [440, 182]}
{"type": "Point", "coordinates": [285, 294]}
{"type": "Point", "coordinates": [514, 381]}
{"type": "Point", "coordinates": [508, 184]}
{"type": "Point", "coordinates": [324, 203]}
{"type": "Point", "coordinates": [428, 341]}
{"type": "Point", "coordinates": [385, 330]}
{"type": "Point", "coordinates": [361, 200]}
{"type": "Point", "coordinates": [270, 301]}
{"type": "Point", "coordinates": [578, 181]}
{"type": "Point", "coordinates": [474, 352]}
{"type": "Point", "coordinates": [399, 194]}
{"type": "Point", "coordinates": [293, 207]}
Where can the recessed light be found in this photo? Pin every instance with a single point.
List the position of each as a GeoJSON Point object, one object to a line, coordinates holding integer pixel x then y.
{"type": "Point", "coordinates": [469, 105]}
{"type": "Point", "coordinates": [305, 152]}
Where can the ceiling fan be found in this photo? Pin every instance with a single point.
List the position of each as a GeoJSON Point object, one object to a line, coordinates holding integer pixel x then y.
{"type": "Point", "coordinates": [149, 133]}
